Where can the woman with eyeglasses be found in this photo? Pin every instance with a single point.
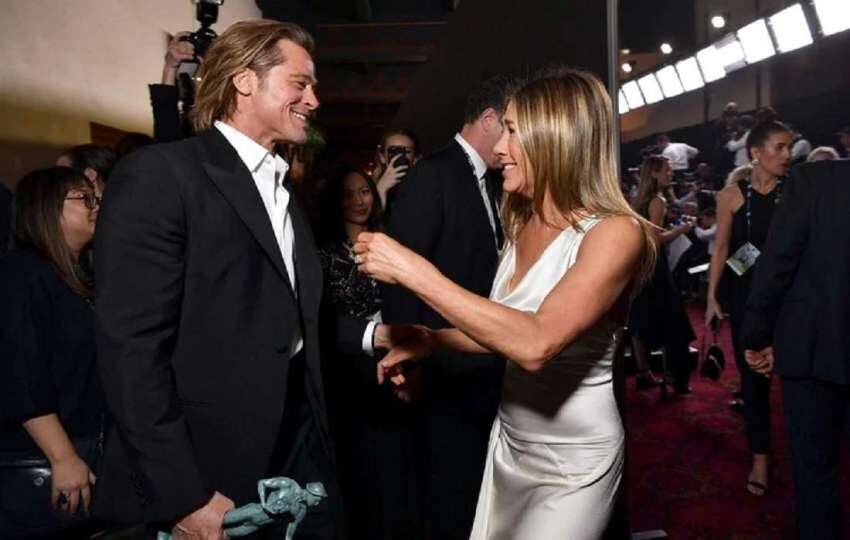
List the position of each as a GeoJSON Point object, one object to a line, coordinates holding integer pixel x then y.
{"type": "Point", "coordinates": [51, 403]}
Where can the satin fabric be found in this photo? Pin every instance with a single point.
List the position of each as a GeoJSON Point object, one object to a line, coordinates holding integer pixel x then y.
{"type": "Point", "coordinates": [555, 456]}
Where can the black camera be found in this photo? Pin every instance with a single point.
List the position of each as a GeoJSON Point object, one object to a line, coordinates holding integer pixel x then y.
{"type": "Point", "coordinates": [206, 11]}
{"type": "Point", "coordinates": [395, 150]}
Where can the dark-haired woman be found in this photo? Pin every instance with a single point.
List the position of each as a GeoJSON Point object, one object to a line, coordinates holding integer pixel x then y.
{"type": "Point", "coordinates": [657, 317]}
{"type": "Point", "coordinates": [372, 428]}
{"type": "Point", "coordinates": [51, 405]}
{"type": "Point", "coordinates": [744, 213]}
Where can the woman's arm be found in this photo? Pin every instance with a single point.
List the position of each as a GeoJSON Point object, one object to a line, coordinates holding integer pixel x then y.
{"type": "Point", "coordinates": [71, 475]}
{"type": "Point", "coordinates": [604, 268]}
{"type": "Point", "coordinates": [722, 237]}
{"type": "Point", "coordinates": [657, 211]}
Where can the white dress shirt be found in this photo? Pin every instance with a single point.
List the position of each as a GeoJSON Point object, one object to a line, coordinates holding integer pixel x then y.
{"type": "Point", "coordinates": [480, 173]}
{"type": "Point", "coordinates": [740, 148]}
{"type": "Point", "coordinates": [269, 171]}
{"type": "Point", "coordinates": [679, 155]}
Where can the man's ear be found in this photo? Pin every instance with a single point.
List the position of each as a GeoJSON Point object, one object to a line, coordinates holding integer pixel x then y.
{"type": "Point", "coordinates": [490, 120]}
{"type": "Point", "coordinates": [245, 82]}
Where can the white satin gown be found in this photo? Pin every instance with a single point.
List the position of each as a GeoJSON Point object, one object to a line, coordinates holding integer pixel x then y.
{"type": "Point", "coordinates": [555, 455]}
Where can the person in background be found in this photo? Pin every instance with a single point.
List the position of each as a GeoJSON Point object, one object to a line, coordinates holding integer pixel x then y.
{"type": "Point", "coordinates": [373, 429]}
{"type": "Point", "coordinates": [657, 317]}
{"type": "Point", "coordinates": [93, 161]}
{"type": "Point", "coordinates": [397, 152]}
{"type": "Point", "coordinates": [706, 228]}
{"type": "Point", "coordinates": [823, 153]}
{"type": "Point", "coordinates": [738, 142]}
{"type": "Point", "coordinates": [678, 154]}
{"type": "Point", "coordinates": [800, 146]}
{"type": "Point", "coordinates": [165, 96]}
{"type": "Point", "coordinates": [795, 326]}
{"type": "Point", "coordinates": [51, 404]}
{"type": "Point", "coordinates": [744, 212]}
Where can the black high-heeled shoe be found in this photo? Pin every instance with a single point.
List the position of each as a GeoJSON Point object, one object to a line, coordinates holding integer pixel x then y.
{"type": "Point", "coordinates": [646, 380]}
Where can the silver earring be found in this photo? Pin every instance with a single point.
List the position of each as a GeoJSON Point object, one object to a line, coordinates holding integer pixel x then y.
{"type": "Point", "coordinates": [755, 163]}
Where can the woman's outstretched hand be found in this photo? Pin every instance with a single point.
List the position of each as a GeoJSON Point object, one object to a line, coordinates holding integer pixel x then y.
{"type": "Point", "coordinates": [419, 344]}
{"type": "Point", "coordinates": [382, 258]}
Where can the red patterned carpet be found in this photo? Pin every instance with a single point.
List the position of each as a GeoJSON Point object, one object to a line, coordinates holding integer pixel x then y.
{"type": "Point", "coordinates": [688, 461]}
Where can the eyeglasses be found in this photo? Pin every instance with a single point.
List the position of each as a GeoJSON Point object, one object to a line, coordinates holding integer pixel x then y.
{"type": "Point", "coordinates": [91, 201]}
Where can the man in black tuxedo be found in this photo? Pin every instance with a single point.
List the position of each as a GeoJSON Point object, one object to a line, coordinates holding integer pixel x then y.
{"type": "Point", "coordinates": [798, 312]}
{"type": "Point", "coordinates": [208, 294]}
{"type": "Point", "coordinates": [447, 210]}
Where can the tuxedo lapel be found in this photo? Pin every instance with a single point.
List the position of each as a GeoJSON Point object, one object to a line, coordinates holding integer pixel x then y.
{"type": "Point", "coordinates": [308, 269]}
{"type": "Point", "coordinates": [471, 191]}
{"type": "Point", "coordinates": [236, 184]}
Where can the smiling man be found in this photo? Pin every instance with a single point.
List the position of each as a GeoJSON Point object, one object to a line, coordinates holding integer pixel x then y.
{"type": "Point", "coordinates": [209, 288]}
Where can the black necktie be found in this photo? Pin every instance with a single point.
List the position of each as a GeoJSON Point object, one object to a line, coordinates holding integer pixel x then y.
{"type": "Point", "coordinates": [494, 204]}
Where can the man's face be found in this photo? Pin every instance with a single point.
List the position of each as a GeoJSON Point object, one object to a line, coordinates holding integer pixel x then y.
{"type": "Point", "coordinates": [283, 100]}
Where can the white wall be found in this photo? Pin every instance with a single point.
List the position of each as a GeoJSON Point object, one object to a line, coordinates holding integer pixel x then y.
{"type": "Point", "coordinates": [65, 63]}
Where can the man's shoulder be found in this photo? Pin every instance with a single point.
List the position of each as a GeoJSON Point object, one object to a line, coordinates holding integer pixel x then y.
{"type": "Point", "coordinates": [449, 156]}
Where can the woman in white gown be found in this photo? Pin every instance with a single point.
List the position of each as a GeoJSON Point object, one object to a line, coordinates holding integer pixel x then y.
{"type": "Point", "coordinates": [556, 309]}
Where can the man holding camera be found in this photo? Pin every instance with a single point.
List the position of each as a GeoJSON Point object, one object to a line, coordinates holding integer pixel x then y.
{"type": "Point", "coordinates": [447, 210]}
{"type": "Point", "coordinates": [208, 298]}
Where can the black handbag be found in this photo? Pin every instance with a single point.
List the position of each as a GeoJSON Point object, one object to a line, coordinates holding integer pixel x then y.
{"type": "Point", "coordinates": [25, 485]}
{"type": "Point", "coordinates": [713, 361]}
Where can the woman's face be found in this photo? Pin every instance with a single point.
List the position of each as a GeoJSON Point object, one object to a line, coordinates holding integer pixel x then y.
{"type": "Point", "coordinates": [663, 174]}
{"type": "Point", "coordinates": [774, 156]}
{"type": "Point", "coordinates": [78, 216]}
{"type": "Point", "coordinates": [512, 157]}
{"type": "Point", "coordinates": [357, 199]}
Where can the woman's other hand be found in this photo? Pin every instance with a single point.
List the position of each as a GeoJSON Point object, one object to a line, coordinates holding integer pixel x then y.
{"type": "Point", "coordinates": [417, 345]}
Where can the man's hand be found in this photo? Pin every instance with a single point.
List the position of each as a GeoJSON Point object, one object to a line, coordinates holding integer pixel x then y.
{"type": "Point", "coordinates": [205, 522]}
{"type": "Point", "coordinates": [760, 361]}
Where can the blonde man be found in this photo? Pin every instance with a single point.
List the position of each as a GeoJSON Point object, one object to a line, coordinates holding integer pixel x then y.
{"type": "Point", "coordinates": [208, 303]}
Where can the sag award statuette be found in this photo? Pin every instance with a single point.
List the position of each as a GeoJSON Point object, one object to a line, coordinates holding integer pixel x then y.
{"type": "Point", "coordinates": [277, 496]}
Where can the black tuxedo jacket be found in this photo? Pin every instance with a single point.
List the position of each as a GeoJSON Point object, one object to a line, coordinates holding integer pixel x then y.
{"type": "Point", "coordinates": [439, 213]}
{"type": "Point", "coordinates": [800, 298]}
{"type": "Point", "coordinates": [195, 320]}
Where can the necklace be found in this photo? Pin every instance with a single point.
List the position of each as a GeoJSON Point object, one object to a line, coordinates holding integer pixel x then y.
{"type": "Point", "coordinates": [777, 190]}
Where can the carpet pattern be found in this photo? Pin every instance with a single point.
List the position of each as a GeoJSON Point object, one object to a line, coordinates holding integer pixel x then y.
{"type": "Point", "coordinates": [687, 462]}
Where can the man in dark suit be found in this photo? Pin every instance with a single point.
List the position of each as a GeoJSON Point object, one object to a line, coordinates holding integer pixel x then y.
{"type": "Point", "coordinates": [798, 312]}
{"type": "Point", "coordinates": [447, 210]}
{"type": "Point", "coordinates": [208, 293]}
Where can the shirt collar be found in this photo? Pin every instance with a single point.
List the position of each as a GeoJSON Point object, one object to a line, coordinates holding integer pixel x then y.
{"type": "Point", "coordinates": [476, 160]}
{"type": "Point", "coordinates": [250, 152]}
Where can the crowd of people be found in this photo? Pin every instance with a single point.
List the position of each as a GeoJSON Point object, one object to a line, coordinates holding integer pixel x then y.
{"type": "Point", "coordinates": [226, 325]}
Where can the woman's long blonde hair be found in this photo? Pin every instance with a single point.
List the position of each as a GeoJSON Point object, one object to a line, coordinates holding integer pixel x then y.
{"type": "Point", "coordinates": [565, 126]}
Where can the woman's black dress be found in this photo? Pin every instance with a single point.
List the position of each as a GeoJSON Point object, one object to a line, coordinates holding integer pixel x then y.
{"type": "Point", "coordinates": [755, 389]}
{"type": "Point", "coordinates": [373, 430]}
{"type": "Point", "coordinates": [657, 317]}
{"type": "Point", "coordinates": [47, 353]}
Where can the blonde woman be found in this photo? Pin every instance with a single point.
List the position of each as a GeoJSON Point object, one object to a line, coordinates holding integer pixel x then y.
{"type": "Point", "coordinates": [575, 252]}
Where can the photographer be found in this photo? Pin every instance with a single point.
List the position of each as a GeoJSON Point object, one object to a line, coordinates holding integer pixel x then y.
{"type": "Point", "coordinates": [397, 152]}
{"type": "Point", "coordinates": [167, 124]}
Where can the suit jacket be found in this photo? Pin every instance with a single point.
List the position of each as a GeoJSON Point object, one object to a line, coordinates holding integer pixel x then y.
{"type": "Point", "coordinates": [438, 212]}
{"type": "Point", "coordinates": [195, 320]}
{"type": "Point", "coordinates": [800, 298]}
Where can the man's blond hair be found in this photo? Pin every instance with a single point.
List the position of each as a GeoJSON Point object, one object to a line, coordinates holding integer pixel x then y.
{"type": "Point", "coordinates": [245, 45]}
